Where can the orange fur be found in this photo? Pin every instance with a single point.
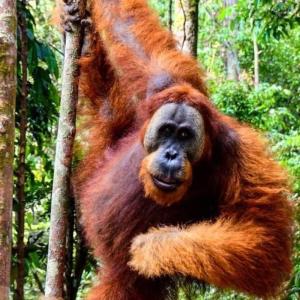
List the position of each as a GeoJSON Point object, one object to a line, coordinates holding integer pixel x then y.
{"type": "Point", "coordinates": [229, 253]}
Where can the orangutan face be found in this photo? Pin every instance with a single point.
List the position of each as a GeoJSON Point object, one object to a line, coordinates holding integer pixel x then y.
{"type": "Point", "coordinates": [174, 140]}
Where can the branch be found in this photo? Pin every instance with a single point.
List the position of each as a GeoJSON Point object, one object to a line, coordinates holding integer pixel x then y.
{"type": "Point", "coordinates": [184, 23]}
{"type": "Point", "coordinates": [38, 281]}
{"type": "Point", "coordinates": [56, 265]}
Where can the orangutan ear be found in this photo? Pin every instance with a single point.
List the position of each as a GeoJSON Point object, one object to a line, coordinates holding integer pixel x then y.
{"type": "Point", "coordinates": [143, 131]}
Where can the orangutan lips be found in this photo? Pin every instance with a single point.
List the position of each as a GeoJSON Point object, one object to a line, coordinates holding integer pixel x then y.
{"type": "Point", "coordinates": [165, 184]}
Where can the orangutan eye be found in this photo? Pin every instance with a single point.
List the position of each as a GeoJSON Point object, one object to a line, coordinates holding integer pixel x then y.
{"type": "Point", "coordinates": [184, 134]}
{"type": "Point", "coordinates": [166, 130]}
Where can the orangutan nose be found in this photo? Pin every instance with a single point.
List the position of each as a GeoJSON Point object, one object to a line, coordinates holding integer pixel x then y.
{"type": "Point", "coordinates": [171, 154]}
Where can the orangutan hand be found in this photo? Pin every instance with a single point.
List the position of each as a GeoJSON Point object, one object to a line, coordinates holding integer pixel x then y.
{"type": "Point", "coordinates": [148, 251]}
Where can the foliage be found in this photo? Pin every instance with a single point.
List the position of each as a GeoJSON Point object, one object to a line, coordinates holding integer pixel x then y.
{"type": "Point", "coordinates": [275, 18]}
{"type": "Point", "coordinates": [162, 9]}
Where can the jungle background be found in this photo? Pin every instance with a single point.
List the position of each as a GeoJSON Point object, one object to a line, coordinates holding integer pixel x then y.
{"type": "Point", "coordinates": [250, 51]}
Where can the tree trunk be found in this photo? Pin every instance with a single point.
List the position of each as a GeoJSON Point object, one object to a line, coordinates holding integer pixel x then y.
{"type": "Point", "coordinates": [232, 64]}
{"type": "Point", "coordinates": [20, 192]}
{"type": "Point", "coordinates": [231, 58]}
{"type": "Point", "coordinates": [186, 25]}
{"type": "Point", "coordinates": [64, 149]}
{"type": "Point", "coordinates": [80, 261]}
{"type": "Point", "coordinates": [256, 61]}
{"type": "Point", "coordinates": [77, 254]}
{"type": "Point", "coordinates": [69, 256]}
{"type": "Point", "coordinates": [170, 12]}
{"type": "Point", "coordinates": [8, 56]}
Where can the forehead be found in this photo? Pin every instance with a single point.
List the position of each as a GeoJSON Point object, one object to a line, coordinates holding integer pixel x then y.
{"type": "Point", "coordinates": [179, 113]}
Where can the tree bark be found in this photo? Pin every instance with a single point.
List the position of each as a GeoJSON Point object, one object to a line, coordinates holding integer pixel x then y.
{"type": "Point", "coordinates": [8, 55]}
{"type": "Point", "coordinates": [63, 158]}
{"type": "Point", "coordinates": [69, 256]}
{"type": "Point", "coordinates": [80, 262]}
{"type": "Point", "coordinates": [231, 58]}
{"type": "Point", "coordinates": [256, 61]}
{"type": "Point", "coordinates": [170, 12]}
{"type": "Point", "coordinates": [20, 190]}
{"type": "Point", "coordinates": [77, 254]}
{"type": "Point", "coordinates": [186, 25]}
{"type": "Point", "coordinates": [232, 63]}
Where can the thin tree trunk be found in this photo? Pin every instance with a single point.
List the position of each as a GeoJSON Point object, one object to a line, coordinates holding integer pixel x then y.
{"type": "Point", "coordinates": [186, 25]}
{"type": "Point", "coordinates": [170, 10]}
{"type": "Point", "coordinates": [20, 192]}
{"type": "Point", "coordinates": [38, 282]}
{"type": "Point", "coordinates": [77, 259]}
{"type": "Point", "coordinates": [231, 58]}
{"type": "Point", "coordinates": [80, 263]}
{"type": "Point", "coordinates": [70, 258]}
{"type": "Point", "coordinates": [232, 63]}
{"type": "Point", "coordinates": [256, 61]}
{"type": "Point", "coordinates": [8, 55]}
{"type": "Point", "coordinates": [62, 170]}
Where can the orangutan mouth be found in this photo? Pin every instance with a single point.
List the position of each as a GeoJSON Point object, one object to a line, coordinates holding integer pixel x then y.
{"type": "Point", "coordinates": [166, 184]}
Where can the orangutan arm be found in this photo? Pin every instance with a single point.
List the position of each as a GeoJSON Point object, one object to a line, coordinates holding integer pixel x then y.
{"type": "Point", "coordinates": [140, 50]}
{"type": "Point", "coordinates": [250, 256]}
